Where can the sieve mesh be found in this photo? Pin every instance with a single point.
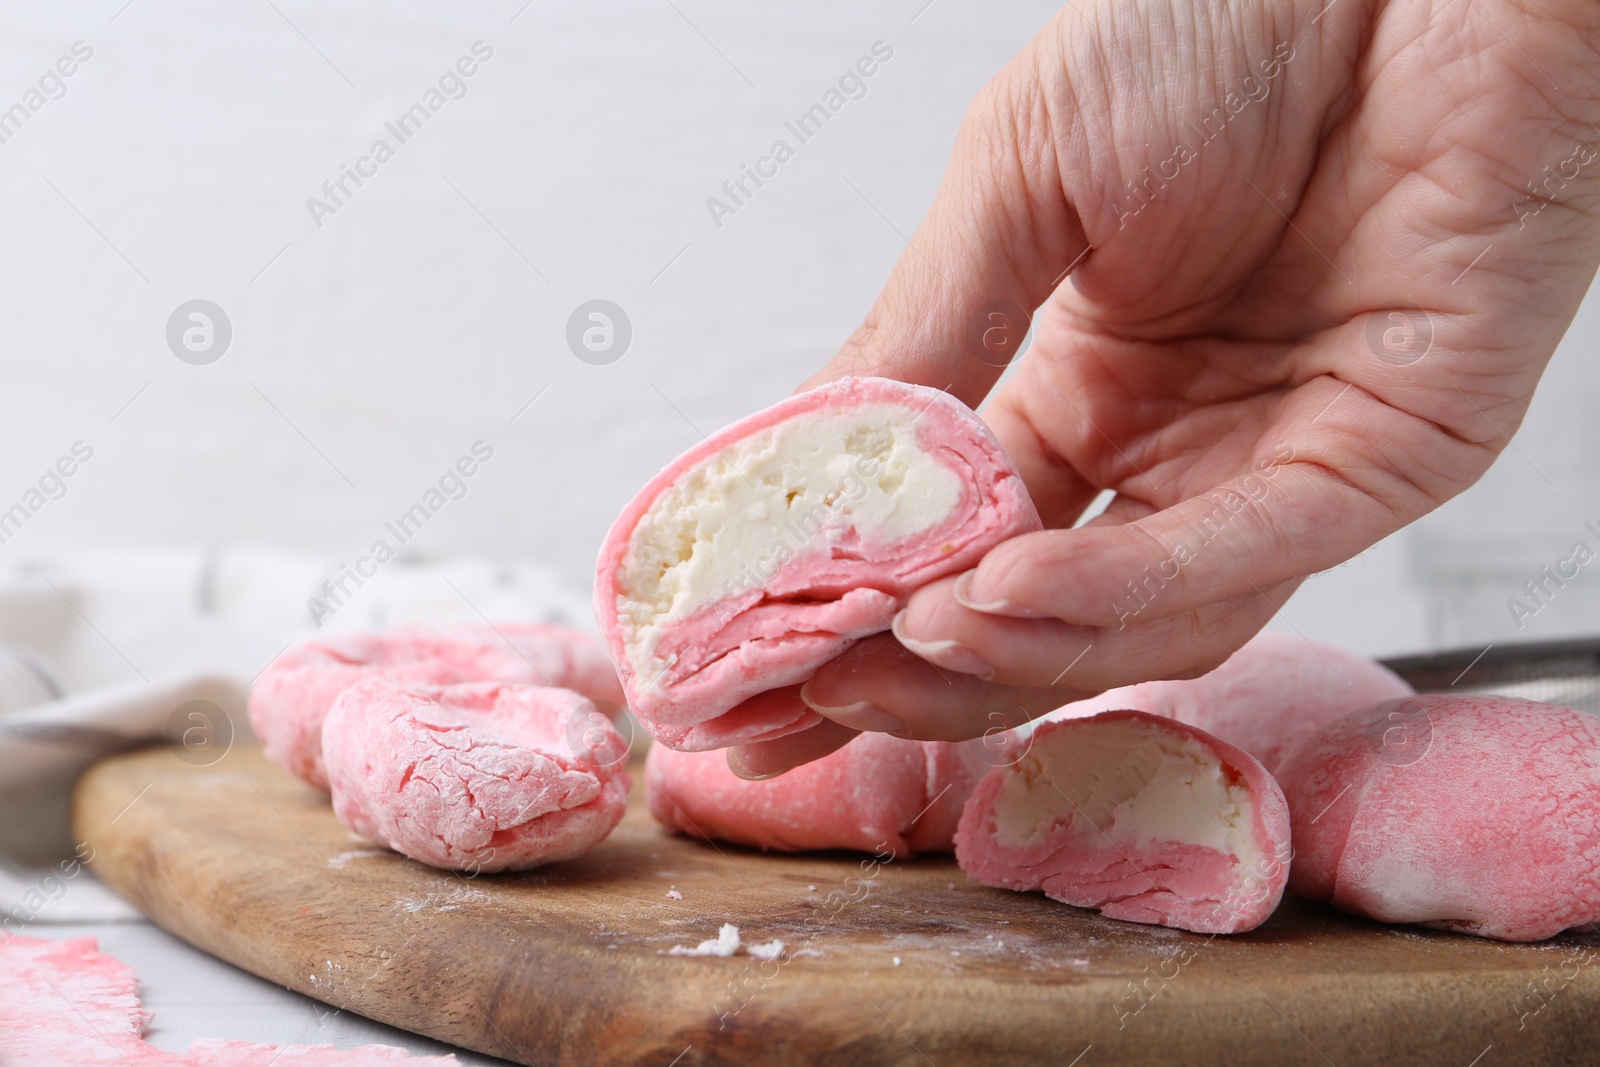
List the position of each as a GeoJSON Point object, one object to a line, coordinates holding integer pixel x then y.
{"type": "Point", "coordinates": [1556, 672]}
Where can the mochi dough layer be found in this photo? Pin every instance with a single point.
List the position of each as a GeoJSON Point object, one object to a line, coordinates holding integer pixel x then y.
{"type": "Point", "coordinates": [876, 794]}
{"type": "Point", "coordinates": [1271, 693]}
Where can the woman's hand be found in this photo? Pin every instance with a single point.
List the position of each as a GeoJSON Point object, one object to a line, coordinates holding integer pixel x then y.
{"type": "Point", "coordinates": [1298, 268]}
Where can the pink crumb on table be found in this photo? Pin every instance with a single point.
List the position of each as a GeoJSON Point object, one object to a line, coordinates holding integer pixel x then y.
{"type": "Point", "coordinates": [876, 794]}
{"type": "Point", "coordinates": [1140, 817]}
{"type": "Point", "coordinates": [1271, 693]}
{"type": "Point", "coordinates": [710, 667]}
{"type": "Point", "coordinates": [292, 696]}
{"type": "Point", "coordinates": [66, 1004]}
{"type": "Point", "coordinates": [1478, 814]}
{"type": "Point", "coordinates": [482, 777]}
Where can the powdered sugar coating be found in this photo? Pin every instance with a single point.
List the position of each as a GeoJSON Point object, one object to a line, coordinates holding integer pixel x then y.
{"type": "Point", "coordinates": [698, 671]}
{"type": "Point", "coordinates": [482, 777]}
{"type": "Point", "coordinates": [1479, 814]}
{"type": "Point", "coordinates": [292, 696]}
{"type": "Point", "coordinates": [878, 794]}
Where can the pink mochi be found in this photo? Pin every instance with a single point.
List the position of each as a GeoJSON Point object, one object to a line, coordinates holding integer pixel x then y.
{"type": "Point", "coordinates": [876, 794]}
{"type": "Point", "coordinates": [484, 776]}
{"type": "Point", "coordinates": [1141, 817]}
{"type": "Point", "coordinates": [768, 549]}
{"type": "Point", "coordinates": [1479, 814]}
{"type": "Point", "coordinates": [1271, 693]}
{"type": "Point", "coordinates": [67, 1004]}
{"type": "Point", "coordinates": [292, 696]}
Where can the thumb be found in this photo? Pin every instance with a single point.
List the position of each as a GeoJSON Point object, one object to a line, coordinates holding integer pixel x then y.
{"type": "Point", "coordinates": [999, 236]}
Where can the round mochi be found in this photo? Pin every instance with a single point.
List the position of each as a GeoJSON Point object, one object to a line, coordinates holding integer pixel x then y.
{"type": "Point", "coordinates": [1143, 818]}
{"type": "Point", "coordinates": [290, 699]}
{"type": "Point", "coordinates": [767, 550]}
{"type": "Point", "coordinates": [876, 794]}
{"type": "Point", "coordinates": [481, 777]}
{"type": "Point", "coordinates": [1478, 814]}
{"type": "Point", "coordinates": [1274, 691]}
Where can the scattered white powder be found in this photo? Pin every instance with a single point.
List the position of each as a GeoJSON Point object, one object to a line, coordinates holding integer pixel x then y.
{"type": "Point", "coordinates": [452, 902]}
{"type": "Point", "coordinates": [770, 950]}
{"type": "Point", "coordinates": [357, 854]}
{"type": "Point", "coordinates": [725, 944]}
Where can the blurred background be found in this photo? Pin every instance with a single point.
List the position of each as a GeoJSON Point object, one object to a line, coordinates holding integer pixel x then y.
{"type": "Point", "coordinates": [355, 343]}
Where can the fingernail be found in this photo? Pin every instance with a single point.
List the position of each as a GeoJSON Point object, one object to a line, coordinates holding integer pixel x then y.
{"type": "Point", "coordinates": [862, 715]}
{"type": "Point", "coordinates": [962, 591]}
{"type": "Point", "coordinates": [737, 766]}
{"type": "Point", "coordinates": [951, 655]}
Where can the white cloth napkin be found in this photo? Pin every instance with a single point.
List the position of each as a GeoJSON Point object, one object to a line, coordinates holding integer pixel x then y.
{"type": "Point", "coordinates": [104, 650]}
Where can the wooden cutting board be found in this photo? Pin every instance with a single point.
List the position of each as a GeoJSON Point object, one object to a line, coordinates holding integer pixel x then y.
{"type": "Point", "coordinates": [903, 963]}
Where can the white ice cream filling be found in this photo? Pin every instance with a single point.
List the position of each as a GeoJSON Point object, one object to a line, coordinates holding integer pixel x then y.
{"type": "Point", "coordinates": [1126, 785]}
{"type": "Point", "coordinates": [729, 524]}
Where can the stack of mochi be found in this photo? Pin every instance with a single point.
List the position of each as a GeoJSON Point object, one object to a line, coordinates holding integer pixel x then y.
{"type": "Point", "coordinates": [470, 747]}
{"type": "Point", "coordinates": [768, 550]}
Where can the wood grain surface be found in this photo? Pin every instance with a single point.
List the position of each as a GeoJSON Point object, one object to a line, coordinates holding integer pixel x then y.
{"type": "Point", "coordinates": [902, 962]}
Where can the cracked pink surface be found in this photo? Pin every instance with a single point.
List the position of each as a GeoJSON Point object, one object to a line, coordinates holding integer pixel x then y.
{"type": "Point", "coordinates": [292, 696]}
{"type": "Point", "coordinates": [66, 1004]}
{"type": "Point", "coordinates": [1162, 882]}
{"type": "Point", "coordinates": [736, 663]}
{"type": "Point", "coordinates": [484, 776]}
{"type": "Point", "coordinates": [1478, 814]}
{"type": "Point", "coordinates": [1274, 691]}
{"type": "Point", "coordinates": [876, 793]}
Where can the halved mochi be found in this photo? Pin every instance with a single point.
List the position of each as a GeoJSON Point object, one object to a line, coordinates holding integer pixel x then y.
{"type": "Point", "coordinates": [1479, 814]}
{"type": "Point", "coordinates": [876, 794]}
{"type": "Point", "coordinates": [1141, 817]}
{"type": "Point", "coordinates": [484, 776]}
{"type": "Point", "coordinates": [1268, 695]}
{"type": "Point", "coordinates": [291, 698]}
{"type": "Point", "coordinates": [767, 550]}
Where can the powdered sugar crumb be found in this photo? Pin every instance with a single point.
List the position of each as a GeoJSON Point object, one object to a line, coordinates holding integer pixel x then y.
{"type": "Point", "coordinates": [769, 950]}
{"type": "Point", "coordinates": [724, 945]}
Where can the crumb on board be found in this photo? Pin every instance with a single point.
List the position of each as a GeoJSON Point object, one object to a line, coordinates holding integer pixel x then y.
{"type": "Point", "coordinates": [897, 961]}
{"type": "Point", "coordinates": [768, 950]}
{"type": "Point", "coordinates": [673, 894]}
{"type": "Point", "coordinates": [725, 944]}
